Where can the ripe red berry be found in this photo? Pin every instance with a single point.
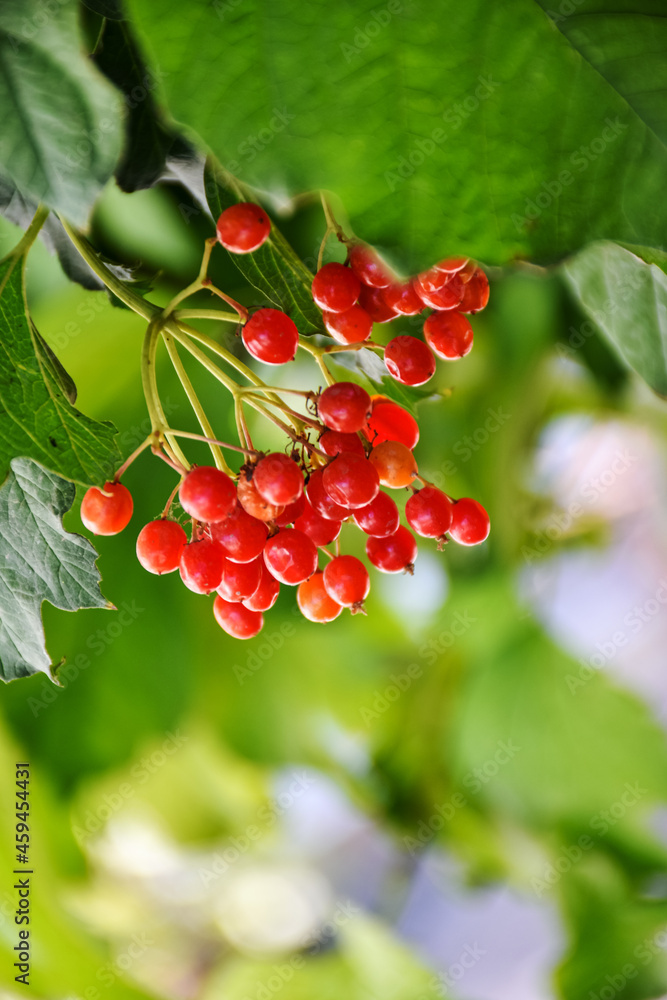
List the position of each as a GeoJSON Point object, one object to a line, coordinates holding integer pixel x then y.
{"type": "Point", "coordinates": [271, 336]}
{"type": "Point", "coordinates": [470, 522]}
{"type": "Point", "coordinates": [291, 556]}
{"type": "Point", "coordinates": [314, 602]}
{"type": "Point", "coordinates": [476, 293]}
{"type": "Point", "coordinates": [266, 594]}
{"type": "Point", "coordinates": [374, 302]}
{"type": "Point", "coordinates": [351, 481]}
{"type": "Point", "coordinates": [240, 580]}
{"type": "Point", "coordinates": [108, 512]}
{"type": "Point", "coordinates": [349, 327]}
{"type": "Point", "coordinates": [380, 518]}
{"type": "Point", "coordinates": [369, 266]}
{"type": "Point", "coordinates": [409, 360]}
{"type": "Point", "coordinates": [395, 464]}
{"type": "Point", "coordinates": [207, 494]}
{"type": "Point", "coordinates": [452, 265]}
{"type": "Point", "coordinates": [333, 442]}
{"type": "Point", "coordinates": [253, 502]}
{"type": "Point", "coordinates": [393, 553]}
{"type": "Point", "coordinates": [429, 512]}
{"type": "Point", "coordinates": [278, 479]}
{"type": "Point", "coordinates": [201, 565]}
{"type": "Point", "coordinates": [447, 296]}
{"type": "Point", "coordinates": [291, 512]}
{"type": "Point", "coordinates": [346, 581]}
{"type": "Point", "coordinates": [322, 530]}
{"type": "Point", "coordinates": [243, 227]}
{"type": "Point", "coordinates": [321, 501]}
{"type": "Point", "coordinates": [403, 298]}
{"type": "Point", "coordinates": [237, 620]}
{"type": "Point", "coordinates": [449, 335]}
{"type": "Point", "coordinates": [241, 536]}
{"type": "Point", "coordinates": [390, 422]}
{"type": "Point", "coordinates": [335, 288]}
{"type": "Point", "coordinates": [160, 545]}
{"type": "Point", "coordinates": [344, 407]}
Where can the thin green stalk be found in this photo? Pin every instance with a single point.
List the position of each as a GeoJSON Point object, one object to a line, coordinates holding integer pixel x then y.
{"type": "Point", "coordinates": [215, 314]}
{"type": "Point", "coordinates": [30, 235]}
{"type": "Point", "coordinates": [149, 382]}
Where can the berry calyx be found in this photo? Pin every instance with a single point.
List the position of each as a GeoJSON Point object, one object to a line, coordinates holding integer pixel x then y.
{"type": "Point", "coordinates": [160, 546]}
{"type": "Point", "coordinates": [369, 266]}
{"type": "Point", "coordinates": [449, 335]}
{"type": "Point", "coordinates": [322, 530]}
{"type": "Point", "coordinates": [266, 594]}
{"type": "Point", "coordinates": [253, 502]}
{"type": "Point", "coordinates": [470, 522]}
{"type": "Point", "coordinates": [333, 442]}
{"type": "Point", "coordinates": [291, 556]}
{"type": "Point", "coordinates": [278, 479]}
{"type": "Point", "coordinates": [240, 580]}
{"type": "Point", "coordinates": [409, 360]}
{"type": "Point", "coordinates": [395, 464]}
{"type": "Point", "coordinates": [335, 288]}
{"type": "Point", "coordinates": [393, 553]}
{"type": "Point", "coordinates": [107, 512]}
{"type": "Point", "coordinates": [201, 565]}
{"type": "Point", "coordinates": [373, 300]}
{"type": "Point", "coordinates": [380, 518]}
{"type": "Point", "coordinates": [314, 602]}
{"type": "Point", "coordinates": [236, 619]}
{"type": "Point", "coordinates": [241, 536]}
{"type": "Point", "coordinates": [349, 327]}
{"type": "Point", "coordinates": [403, 298]}
{"type": "Point", "coordinates": [390, 422]}
{"type": "Point", "coordinates": [344, 407]}
{"type": "Point", "coordinates": [429, 512]}
{"type": "Point", "coordinates": [242, 228]}
{"type": "Point", "coordinates": [346, 581]}
{"type": "Point", "coordinates": [207, 494]}
{"type": "Point", "coordinates": [271, 336]}
{"type": "Point", "coordinates": [351, 481]}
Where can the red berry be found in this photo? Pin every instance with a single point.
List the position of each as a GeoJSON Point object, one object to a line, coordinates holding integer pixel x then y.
{"type": "Point", "coordinates": [452, 265]}
{"type": "Point", "coordinates": [291, 512]}
{"type": "Point", "coordinates": [108, 512]}
{"type": "Point", "coordinates": [344, 407]}
{"type": "Point", "coordinates": [380, 518]}
{"type": "Point", "coordinates": [351, 481]}
{"type": "Point", "coordinates": [266, 594]}
{"type": "Point", "coordinates": [470, 522]}
{"type": "Point", "coordinates": [476, 293]}
{"type": "Point", "coordinates": [207, 494]}
{"type": "Point", "coordinates": [237, 620]}
{"type": "Point", "coordinates": [394, 553]}
{"type": "Point", "coordinates": [333, 442]}
{"type": "Point", "coordinates": [449, 335]}
{"type": "Point", "coordinates": [395, 464]}
{"type": "Point", "coordinates": [314, 602]}
{"type": "Point", "coordinates": [321, 501]}
{"type": "Point", "coordinates": [335, 288]}
{"type": "Point", "coordinates": [403, 298]}
{"type": "Point", "coordinates": [201, 565]}
{"type": "Point", "coordinates": [429, 512]}
{"type": "Point", "coordinates": [240, 580]}
{"type": "Point", "coordinates": [409, 360]}
{"type": "Point", "coordinates": [271, 337]}
{"type": "Point", "coordinates": [349, 327]}
{"type": "Point", "coordinates": [374, 302]}
{"type": "Point", "coordinates": [369, 266]}
{"type": "Point", "coordinates": [253, 502]}
{"type": "Point", "coordinates": [431, 281]}
{"type": "Point", "coordinates": [322, 530]}
{"type": "Point", "coordinates": [390, 422]}
{"type": "Point", "coordinates": [346, 581]}
{"type": "Point", "coordinates": [290, 556]}
{"type": "Point", "coordinates": [447, 296]}
{"type": "Point", "coordinates": [241, 536]}
{"type": "Point", "coordinates": [160, 545]}
{"type": "Point", "coordinates": [278, 479]}
{"type": "Point", "coordinates": [243, 227]}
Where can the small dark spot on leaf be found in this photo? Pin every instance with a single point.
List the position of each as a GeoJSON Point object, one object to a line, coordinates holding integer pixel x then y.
{"type": "Point", "coordinates": [53, 442]}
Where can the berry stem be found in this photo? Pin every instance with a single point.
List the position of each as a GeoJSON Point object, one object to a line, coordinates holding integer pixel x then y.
{"type": "Point", "coordinates": [135, 454]}
{"type": "Point", "coordinates": [215, 314]}
{"type": "Point", "coordinates": [30, 235]}
{"type": "Point", "coordinates": [316, 354]}
{"type": "Point", "coordinates": [170, 501]}
{"type": "Point", "coordinates": [211, 440]}
{"type": "Point", "coordinates": [149, 382]}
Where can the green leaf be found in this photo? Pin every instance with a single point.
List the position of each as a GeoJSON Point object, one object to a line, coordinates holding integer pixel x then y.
{"type": "Point", "coordinates": [37, 419]}
{"type": "Point", "coordinates": [366, 369]}
{"type": "Point", "coordinates": [274, 269]}
{"type": "Point", "coordinates": [40, 561]}
{"type": "Point", "coordinates": [112, 9]}
{"type": "Point", "coordinates": [60, 121]}
{"type": "Point", "coordinates": [627, 299]}
{"type": "Point", "coordinates": [524, 150]}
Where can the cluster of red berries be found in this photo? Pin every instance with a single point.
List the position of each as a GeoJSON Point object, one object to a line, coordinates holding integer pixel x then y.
{"type": "Point", "coordinates": [267, 527]}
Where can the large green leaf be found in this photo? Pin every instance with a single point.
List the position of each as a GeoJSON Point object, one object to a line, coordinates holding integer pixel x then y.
{"type": "Point", "coordinates": [469, 127]}
{"type": "Point", "coordinates": [40, 561]}
{"type": "Point", "coordinates": [627, 299]}
{"type": "Point", "coordinates": [60, 121]}
{"type": "Point", "coordinates": [37, 419]}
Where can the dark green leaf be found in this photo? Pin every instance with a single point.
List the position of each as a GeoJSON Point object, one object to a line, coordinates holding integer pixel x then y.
{"type": "Point", "coordinates": [60, 121]}
{"type": "Point", "coordinates": [111, 9]}
{"type": "Point", "coordinates": [39, 561]}
{"type": "Point", "coordinates": [627, 299]}
{"type": "Point", "coordinates": [36, 418]}
{"type": "Point", "coordinates": [49, 360]}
